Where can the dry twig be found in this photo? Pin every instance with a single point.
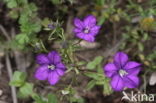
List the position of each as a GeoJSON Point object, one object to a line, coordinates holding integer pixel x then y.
{"type": "Point", "coordinates": [4, 32]}
{"type": "Point", "coordinates": [9, 69]}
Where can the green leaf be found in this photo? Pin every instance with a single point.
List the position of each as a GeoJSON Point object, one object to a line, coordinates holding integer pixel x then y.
{"type": "Point", "coordinates": [91, 84]}
{"type": "Point", "coordinates": [101, 21]}
{"type": "Point", "coordinates": [12, 4]}
{"type": "Point", "coordinates": [29, 28]}
{"type": "Point", "coordinates": [22, 38]}
{"type": "Point", "coordinates": [145, 36]}
{"type": "Point", "coordinates": [52, 98]}
{"type": "Point", "coordinates": [37, 98]}
{"type": "Point", "coordinates": [80, 63]}
{"type": "Point", "coordinates": [73, 99]}
{"type": "Point", "coordinates": [92, 75]}
{"type": "Point", "coordinates": [100, 82]}
{"type": "Point", "coordinates": [45, 22]}
{"type": "Point", "coordinates": [100, 2]}
{"type": "Point", "coordinates": [140, 46]}
{"type": "Point", "coordinates": [95, 62]}
{"type": "Point", "coordinates": [107, 90]}
{"type": "Point", "coordinates": [26, 90]}
{"type": "Point", "coordinates": [23, 18]}
{"type": "Point", "coordinates": [33, 7]}
{"type": "Point", "coordinates": [56, 1]}
{"type": "Point", "coordinates": [18, 79]}
{"type": "Point", "coordinates": [13, 14]}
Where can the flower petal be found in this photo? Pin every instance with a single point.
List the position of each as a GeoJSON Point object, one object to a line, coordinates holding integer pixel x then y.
{"type": "Point", "coordinates": [117, 83]}
{"type": "Point", "coordinates": [54, 57]}
{"type": "Point", "coordinates": [120, 59]}
{"type": "Point", "coordinates": [42, 59]}
{"type": "Point", "coordinates": [94, 30]}
{"type": "Point", "coordinates": [77, 30]}
{"type": "Point", "coordinates": [110, 74]}
{"type": "Point", "coordinates": [60, 71]}
{"type": "Point", "coordinates": [80, 35]}
{"type": "Point", "coordinates": [110, 69]}
{"type": "Point", "coordinates": [132, 67]}
{"type": "Point", "coordinates": [89, 38]}
{"type": "Point", "coordinates": [42, 72]}
{"type": "Point", "coordinates": [78, 23]}
{"type": "Point", "coordinates": [53, 77]}
{"type": "Point", "coordinates": [90, 21]}
{"type": "Point", "coordinates": [131, 81]}
{"type": "Point", "coordinates": [86, 37]}
{"type": "Point", "coordinates": [60, 65]}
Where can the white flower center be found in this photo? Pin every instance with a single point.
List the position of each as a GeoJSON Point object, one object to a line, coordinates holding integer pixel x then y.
{"type": "Point", "coordinates": [52, 67]}
{"type": "Point", "coordinates": [86, 30]}
{"type": "Point", "coordinates": [122, 72]}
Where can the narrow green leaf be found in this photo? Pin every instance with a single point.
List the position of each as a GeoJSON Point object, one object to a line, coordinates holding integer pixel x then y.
{"type": "Point", "coordinates": [140, 46]}
{"type": "Point", "coordinates": [95, 62]}
{"type": "Point", "coordinates": [56, 1]}
{"type": "Point", "coordinates": [91, 84]}
{"type": "Point", "coordinates": [52, 98]}
{"type": "Point", "coordinates": [92, 75]}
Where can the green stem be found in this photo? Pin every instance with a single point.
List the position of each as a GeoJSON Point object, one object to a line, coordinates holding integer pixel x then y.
{"type": "Point", "coordinates": [44, 48]}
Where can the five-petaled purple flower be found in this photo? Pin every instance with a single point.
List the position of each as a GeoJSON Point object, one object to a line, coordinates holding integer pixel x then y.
{"type": "Point", "coordinates": [86, 29]}
{"type": "Point", "coordinates": [51, 67]}
{"type": "Point", "coordinates": [123, 73]}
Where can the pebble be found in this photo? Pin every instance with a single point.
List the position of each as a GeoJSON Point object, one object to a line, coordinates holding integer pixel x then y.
{"type": "Point", "coordinates": [1, 92]}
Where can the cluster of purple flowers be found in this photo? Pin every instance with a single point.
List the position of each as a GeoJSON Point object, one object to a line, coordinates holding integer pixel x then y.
{"type": "Point", "coordinates": [123, 73]}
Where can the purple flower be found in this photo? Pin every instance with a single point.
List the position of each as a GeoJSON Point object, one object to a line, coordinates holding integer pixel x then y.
{"type": "Point", "coordinates": [51, 68]}
{"type": "Point", "coordinates": [86, 29]}
{"type": "Point", "coordinates": [51, 26]}
{"type": "Point", "coordinates": [123, 73]}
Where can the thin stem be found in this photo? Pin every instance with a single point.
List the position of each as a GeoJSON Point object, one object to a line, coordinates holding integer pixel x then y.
{"type": "Point", "coordinates": [5, 33]}
{"type": "Point", "coordinates": [44, 48]}
{"type": "Point", "coordinates": [9, 69]}
{"type": "Point", "coordinates": [77, 42]}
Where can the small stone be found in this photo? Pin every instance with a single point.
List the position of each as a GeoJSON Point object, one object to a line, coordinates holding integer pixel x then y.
{"type": "Point", "coordinates": [152, 80]}
{"type": "Point", "coordinates": [1, 92]}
